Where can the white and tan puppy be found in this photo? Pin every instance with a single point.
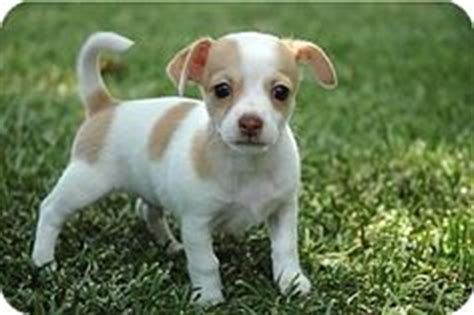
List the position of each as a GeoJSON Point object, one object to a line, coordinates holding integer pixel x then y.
{"type": "Point", "coordinates": [225, 163]}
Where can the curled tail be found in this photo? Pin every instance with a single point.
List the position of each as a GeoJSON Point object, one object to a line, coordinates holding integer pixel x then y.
{"type": "Point", "coordinates": [92, 89]}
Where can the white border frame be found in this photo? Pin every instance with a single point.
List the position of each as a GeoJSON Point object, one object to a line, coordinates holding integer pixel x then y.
{"type": "Point", "coordinates": [467, 6]}
{"type": "Point", "coordinates": [6, 6]}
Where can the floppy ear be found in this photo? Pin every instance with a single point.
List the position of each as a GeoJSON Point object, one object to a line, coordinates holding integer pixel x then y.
{"type": "Point", "coordinates": [189, 63]}
{"type": "Point", "coordinates": [309, 53]}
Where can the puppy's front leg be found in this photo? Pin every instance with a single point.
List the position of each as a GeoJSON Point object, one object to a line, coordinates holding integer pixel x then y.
{"type": "Point", "coordinates": [203, 265]}
{"type": "Point", "coordinates": [283, 233]}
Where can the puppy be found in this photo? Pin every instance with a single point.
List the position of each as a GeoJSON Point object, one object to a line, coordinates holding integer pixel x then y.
{"type": "Point", "coordinates": [224, 163]}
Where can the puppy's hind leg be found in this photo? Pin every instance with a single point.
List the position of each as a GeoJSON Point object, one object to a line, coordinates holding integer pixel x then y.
{"type": "Point", "coordinates": [80, 185]}
{"type": "Point", "coordinates": [157, 224]}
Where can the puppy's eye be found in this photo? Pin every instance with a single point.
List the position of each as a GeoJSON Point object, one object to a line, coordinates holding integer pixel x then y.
{"type": "Point", "coordinates": [222, 90]}
{"type": "Point", "coordinates": [280, 92]}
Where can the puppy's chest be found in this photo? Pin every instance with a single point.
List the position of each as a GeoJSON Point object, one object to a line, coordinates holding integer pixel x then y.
{"type": "Point", "coordinates": [247, 203]}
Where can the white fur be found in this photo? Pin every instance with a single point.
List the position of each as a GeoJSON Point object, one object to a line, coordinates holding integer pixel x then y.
{"type": "Point", "coordinates": [258, 53]}
{"type": "Point", "coordinates": [248, 189]}
{"type": "Point", "coordinates": [89, 76]}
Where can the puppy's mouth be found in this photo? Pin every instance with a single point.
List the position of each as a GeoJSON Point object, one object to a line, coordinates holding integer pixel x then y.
{"type": "Point", "coordinates": [249, 146]}
{"type": "Point", "coordinates": [250, 143]}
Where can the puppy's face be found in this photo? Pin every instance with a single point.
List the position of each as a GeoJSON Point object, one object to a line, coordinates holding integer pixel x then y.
{"type": "Point", "coordinates": [249, 82]}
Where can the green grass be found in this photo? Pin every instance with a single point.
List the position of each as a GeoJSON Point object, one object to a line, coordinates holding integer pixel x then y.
{"type": "Point", "coordinates": [386, 222]}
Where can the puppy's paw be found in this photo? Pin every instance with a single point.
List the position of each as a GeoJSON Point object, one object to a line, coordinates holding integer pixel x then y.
{"type": "Point", "coordinates": [206, 298]}
{"type": "Point", "coordinates": [41, 258]}
{"type": "Point", "coordinates": [174, 248]}
{"type": "Point", "coordinates": [141, 209]}
{"type": "Point", "coordinates": [294, 283]}
{"type": "Point", "coordinates": [42, 255]}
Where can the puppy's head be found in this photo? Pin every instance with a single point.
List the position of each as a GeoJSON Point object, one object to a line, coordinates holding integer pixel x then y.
{"type": "Point", "coordinates": [249, 82]}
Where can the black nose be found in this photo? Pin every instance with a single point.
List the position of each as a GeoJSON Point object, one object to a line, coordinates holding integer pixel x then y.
{"type": "Point", "coordinates": [250, 125]}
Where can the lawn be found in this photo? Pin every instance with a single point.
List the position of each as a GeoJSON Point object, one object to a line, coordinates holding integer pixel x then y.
{"type": "Point", "coordinates": [387, 205]}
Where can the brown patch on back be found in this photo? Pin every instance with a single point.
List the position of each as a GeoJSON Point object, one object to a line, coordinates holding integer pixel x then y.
{"type": "Point", "coordinates": [98, 101]}
{"type": "Point", "coordinates": [199, 153]}
{"type": "Point", "coordinates": [91, 136]}
{"type": "Point", "coordinates": [165, 127]}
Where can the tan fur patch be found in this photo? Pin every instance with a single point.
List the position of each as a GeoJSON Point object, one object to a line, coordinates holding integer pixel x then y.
{"type": "Point", "coordinates": [165, 127]}
{"type": "Point", "coordinates": [199, 154]}
{"type": "Point", "coordinates": [287, 75]}
{"type": "Point", "coordinates": [223, 65]}
{"type": "Point", "coordinates": [98, 101]}
{"type": "Point", "coordinates": [223, 57]}
{"type": "Point", "coordinates": [91, 136]}
{"type": "Point", "coordinates": [287, 64]}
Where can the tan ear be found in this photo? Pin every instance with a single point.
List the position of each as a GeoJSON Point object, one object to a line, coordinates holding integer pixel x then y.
{"type": "Point", "coordinates": [189, 63]}
{"type": "Point", "coordinates": [309, 53]}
